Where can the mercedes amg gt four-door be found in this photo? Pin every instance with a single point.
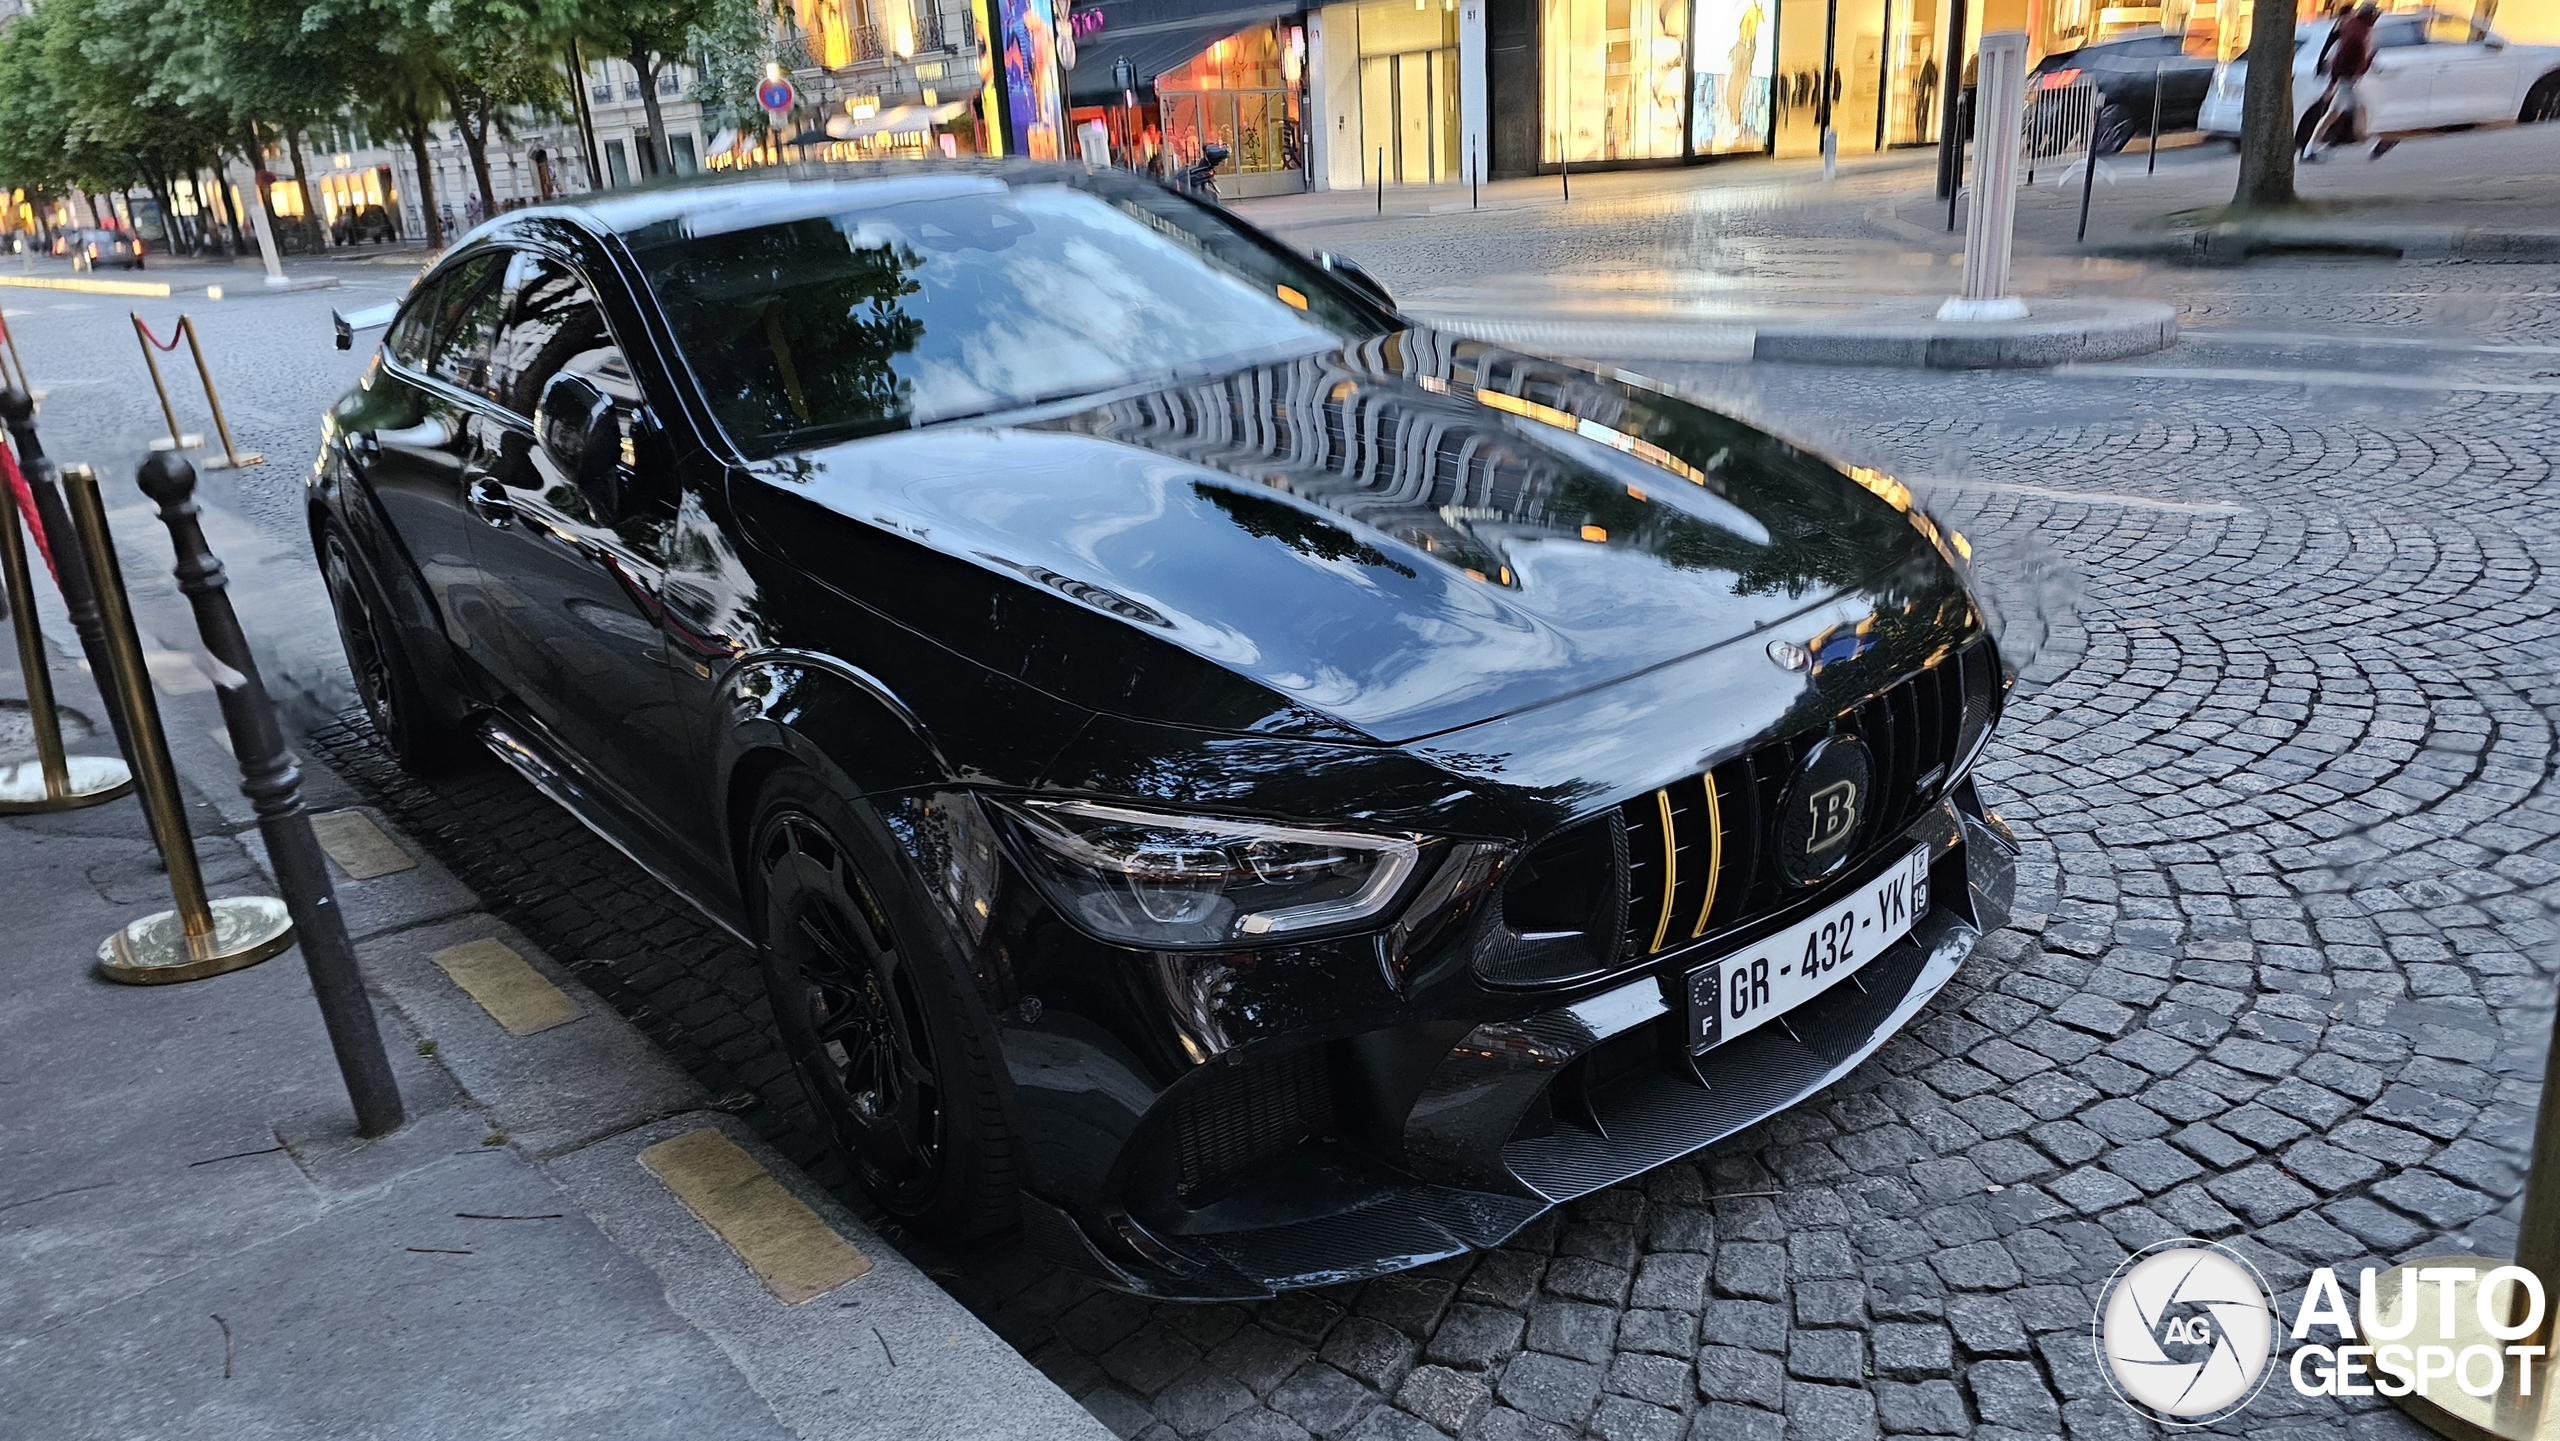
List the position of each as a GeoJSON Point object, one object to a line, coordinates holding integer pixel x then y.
{"type": "Point", "coordinates": [1254, 791]}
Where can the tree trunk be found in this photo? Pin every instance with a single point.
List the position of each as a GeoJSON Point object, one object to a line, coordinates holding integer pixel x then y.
{"type": "Point", "coordinates": [472, 124]}
{"type": "Point", "coordinates": [224, 212]}
{"type": "Point", "coordinates": [416, 125]}
{"type": "Point", "coordinates": [257, 155]}
{"type": "Point", "coordinates": [2266, 113]}
{"type": "Point", "coordinates": [312, 225]}
{"type": "Point", "coordinates": [653, 150]}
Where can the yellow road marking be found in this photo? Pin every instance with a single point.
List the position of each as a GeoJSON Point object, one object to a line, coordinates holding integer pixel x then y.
{"type": "Point", "coordinates": [513, 993]}
{"type": "Point", "coordinates": [794, 1252]}
{"type": "Point", "coordinates": [359, 846]}
{"type": "Point", "coordinates": [86, 287]}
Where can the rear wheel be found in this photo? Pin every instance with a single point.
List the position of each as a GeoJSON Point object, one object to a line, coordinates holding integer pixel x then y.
{"type": "Point", "coordinates": [877, 1015]}
{"type": "Point", "coordinates": [2114, 130]}
{"type": "Point", "coordinates": [2542, 102]}
{"type": "Point", "coordinates": [386, 679]}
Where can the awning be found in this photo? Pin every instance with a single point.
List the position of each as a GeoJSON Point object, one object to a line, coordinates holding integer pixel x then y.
{"type": "Point", "coordinates": [1154, 49]}
{"type": "Point", "coordinates": [896, 120]}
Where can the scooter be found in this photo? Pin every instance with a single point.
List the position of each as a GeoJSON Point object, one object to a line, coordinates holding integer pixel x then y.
{"type": "Point", "coordinates": [1202, 179]}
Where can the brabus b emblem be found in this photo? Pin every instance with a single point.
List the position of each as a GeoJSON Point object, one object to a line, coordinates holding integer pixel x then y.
{"type": "Point", "coordinates": [1835, 815]}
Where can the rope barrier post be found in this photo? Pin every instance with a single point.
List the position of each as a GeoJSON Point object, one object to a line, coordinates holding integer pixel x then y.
{"type": "Point", "coordinates": [1382, 182]}
{"type": "Point", "coordinates": [232, 459]}
{"type": "Point", "coordinates": [273, 783]}
{"type": "Point", "coordinates": [150, 342]}
{"type": "Point", "coordinates": [56, 781]}
{"type": "Point", "coordinates": [198, 938]}
{"type": "Point", "coordinates": [62, 552]}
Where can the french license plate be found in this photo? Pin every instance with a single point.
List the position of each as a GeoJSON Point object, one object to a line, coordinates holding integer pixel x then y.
{"type": "Point", "coordinates": [1779, 973]}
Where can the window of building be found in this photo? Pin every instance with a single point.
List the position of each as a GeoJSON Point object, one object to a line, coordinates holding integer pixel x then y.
{"type": "Point", "coordinates": [1734, 60]}
{"type": "Point", "coordinates": [1616, 73]}
{"type": "Point", "coordinates": [1237, 93]}
{"type": "Point", "coordinates": [617, 163]}
{"type": "Point", "coordinates": [681, 153]}
{"type": "Point", "coordinates": [1409, 93]}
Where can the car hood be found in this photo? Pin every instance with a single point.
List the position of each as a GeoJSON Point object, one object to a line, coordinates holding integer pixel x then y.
{"type": "Point", "coordinates": [1408, 535]}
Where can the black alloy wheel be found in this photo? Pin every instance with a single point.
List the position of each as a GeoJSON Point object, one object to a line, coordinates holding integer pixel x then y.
{"type": "Point", "coordinates": [898, 1064]}
{"type": "Point", "coordinates": [386, 681]}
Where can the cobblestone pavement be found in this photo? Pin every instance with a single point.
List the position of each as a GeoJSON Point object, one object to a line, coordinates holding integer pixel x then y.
{"type": "Point", "coordinates": [2277, 978]}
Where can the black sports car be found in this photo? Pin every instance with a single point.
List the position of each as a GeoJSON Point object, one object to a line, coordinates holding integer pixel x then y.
{"type": "Point", "coordinates": [1259, 792]}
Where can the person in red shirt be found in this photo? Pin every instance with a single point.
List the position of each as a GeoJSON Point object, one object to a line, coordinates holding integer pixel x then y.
{"type": "Point", "coordinates": [2345, 59]}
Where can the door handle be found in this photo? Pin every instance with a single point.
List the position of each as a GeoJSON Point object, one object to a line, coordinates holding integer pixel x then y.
{"type": "Point", "coordinates": [488, 499]}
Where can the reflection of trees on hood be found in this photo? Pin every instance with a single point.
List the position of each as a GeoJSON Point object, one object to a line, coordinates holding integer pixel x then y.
{"type": "Point", "coordinates": [792, 329]}
{"type": "Point", "coordinates": [1306, 534]}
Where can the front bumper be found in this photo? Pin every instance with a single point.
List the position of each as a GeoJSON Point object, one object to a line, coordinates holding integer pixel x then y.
{"type": "Point", "coordinates": [1516, 1116]}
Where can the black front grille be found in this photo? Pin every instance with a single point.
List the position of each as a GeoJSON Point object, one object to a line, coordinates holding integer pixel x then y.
{"type": "Point", "coordinates": [1699, 851]}
{"type": "Point", "coordinates": [1237, 1115]}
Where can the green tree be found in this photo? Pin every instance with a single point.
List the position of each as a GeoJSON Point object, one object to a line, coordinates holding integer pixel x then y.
{"type": "Point", "coordinates": [496, 64]}
{"type": "Point", "coordinates": [733, 42]}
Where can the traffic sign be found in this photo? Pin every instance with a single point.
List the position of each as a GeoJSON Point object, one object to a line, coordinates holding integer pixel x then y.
{"type": "Point", "coordinates": [777, 96]}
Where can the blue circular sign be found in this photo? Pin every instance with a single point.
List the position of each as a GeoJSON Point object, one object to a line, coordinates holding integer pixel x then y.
{"type": "Point", "coordinates": [776, 95]}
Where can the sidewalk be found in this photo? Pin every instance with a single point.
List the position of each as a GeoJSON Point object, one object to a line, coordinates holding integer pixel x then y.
{"type": "Point", "coordinates": [194, 1243]}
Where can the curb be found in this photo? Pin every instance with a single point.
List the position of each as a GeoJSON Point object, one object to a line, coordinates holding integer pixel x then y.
{"type": "Point", "coordinates": [2235, 244]}
{"type": "Point", "coordinates": [1908, 335]}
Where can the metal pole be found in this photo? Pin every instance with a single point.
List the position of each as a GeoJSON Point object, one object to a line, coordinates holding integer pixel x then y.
{"type": "Point", "coordinates": [1999, 111]}
{"type": "Point", "coordinates": [221, 426]}
{"type": "Point", "coordinates": [2089, 172]}
{"type": "Point", "coordinates": [1950, 111]}
{"type": "Point", "coordinates": [1884, 74]}
{"type": "Point", "coordinates": [62, 545]}
{"type": "Point", "coordinates": [586, 117]}
{"type": "Point", "coordinates": [199, 938]}
{"type": "Point", "coordinates": [1475, 179]}
{"type": "Point", "coordinates": [1382, 182]}
{"type": "Point", "coordinates": [270, 779]}
{"type": "Point", "coordinates": [19, 792]}
{"type": "Point", "coordinates": [2153, 168]}
{"type": "Point", "coordinates": [1822, 97]}
{"type": "Point", "coordinates": [142, 333]}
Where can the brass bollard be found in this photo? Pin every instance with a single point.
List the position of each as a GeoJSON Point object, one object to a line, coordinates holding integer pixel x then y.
{"type": "Point", "coordinates": [62, 548]}
{"type": "Point", "coordinates": [269, 777]}
{"type": "Point", "coordinates": [199, 938]}
{"type": "Point", "coordinates": [233, 458]}
{"type": "Point", "coordinates": [56, 781]}
{"type": "Point", "coordinates": [2511, 1412]}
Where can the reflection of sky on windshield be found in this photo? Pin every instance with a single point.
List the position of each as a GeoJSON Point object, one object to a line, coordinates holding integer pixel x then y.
{"type": "Point", "coordinates": [1045, 290]}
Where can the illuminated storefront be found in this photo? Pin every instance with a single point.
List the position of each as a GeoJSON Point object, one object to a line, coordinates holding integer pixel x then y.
{"type": "Point", "coordinates": [1024, 91]}
{"type": "Point", "coordinates": [1241, 92]}
{"type": "Point", "coordinates": [1615, 75]}
{"type": "Point", "coordinates": [1408, 95]}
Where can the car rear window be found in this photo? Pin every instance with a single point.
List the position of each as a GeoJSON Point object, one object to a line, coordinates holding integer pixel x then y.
{"type": "Point", "coordinates": [827, 312]}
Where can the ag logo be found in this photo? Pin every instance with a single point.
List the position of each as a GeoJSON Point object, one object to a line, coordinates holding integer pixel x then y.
{"type": "Point", "coordinates": [1818, 818]}
{"type": "Point", "coordinates": [1835, 814]}
{"type": "Point", "coordinates": [2184, 1332]}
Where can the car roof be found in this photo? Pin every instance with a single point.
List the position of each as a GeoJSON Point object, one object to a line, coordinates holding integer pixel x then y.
{"type": "Point", "coordinates": [721, 201]}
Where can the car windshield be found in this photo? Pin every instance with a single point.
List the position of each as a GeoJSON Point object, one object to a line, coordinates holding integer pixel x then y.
{"type": "Point", "coordinates": [825, 312]}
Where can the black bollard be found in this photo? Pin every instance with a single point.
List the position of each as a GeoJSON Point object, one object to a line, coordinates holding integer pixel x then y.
{"type": "Point", "coordinates": [70, 567]}
{"type": "Point", "coordinates": [273, 783]}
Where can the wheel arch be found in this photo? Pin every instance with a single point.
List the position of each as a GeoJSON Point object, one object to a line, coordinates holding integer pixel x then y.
{"type": "Point", "coordinates": [382, 563]}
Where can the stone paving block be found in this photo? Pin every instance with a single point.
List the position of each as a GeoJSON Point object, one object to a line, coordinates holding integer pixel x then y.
{"type": "Point", "coordinates": [1724, 1421]}
{"type": "Point", "coordinates": [1732, 1373]}
{"type": "Point", "coordinates": [1756, 1324]}
{"type": "Point", "coordinates": [1373, 1351]}
{"type": "Point", "coordinates": [1913, 1351]}
{"type": "Point", "coordinates": [1573, 1328]}
{"type": "Point", "coordinates": [1986, 1325]}
{"type": "Point", "coordinates": [1449, 1400]}
{"type": "Point", "coordinates": [1830, 1413]}
{"type": "Point", "coordinates": [1320, 1398]}
{"type": "Point", "coordinates": [1551, 1388]}
{"type": "Point", "coordinates": [1929, 1408]}
{"type": "Point", "coordinates": [1659, 1380]}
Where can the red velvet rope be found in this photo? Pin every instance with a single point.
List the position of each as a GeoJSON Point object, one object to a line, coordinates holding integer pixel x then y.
{"type": "Point", "coordinates": [27, 508]}
{"type": "Point", "coordinates": [170, 344]}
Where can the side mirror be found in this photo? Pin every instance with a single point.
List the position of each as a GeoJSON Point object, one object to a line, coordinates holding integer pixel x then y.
{"type": "Point", "coordinates": [1353, 274]}
{"type": "Point", "coordinates": [574, 425]}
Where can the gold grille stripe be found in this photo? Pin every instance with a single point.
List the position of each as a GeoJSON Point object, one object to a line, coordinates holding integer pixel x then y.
{"type": "Point", "coordinates": [1670, 869]}
{"type": "Point", "coordinates": [1715, 854]}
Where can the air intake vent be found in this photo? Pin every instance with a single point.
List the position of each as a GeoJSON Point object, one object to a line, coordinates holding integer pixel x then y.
{"type": "Point", "coordinates": [1238, 1115]}
{"type": "Point", "coordinates": [1564, 909]}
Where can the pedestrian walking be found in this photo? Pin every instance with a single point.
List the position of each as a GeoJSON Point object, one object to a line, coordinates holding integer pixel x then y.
{"type": "Point", "coordinates": [2345, 59]}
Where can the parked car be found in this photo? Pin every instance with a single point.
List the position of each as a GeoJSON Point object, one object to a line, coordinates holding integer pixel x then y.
{"type": "Point", "coordinates": [89, 249]}
{"type": "Point", "coordinates": [2125, 70]}
{"type": "Point", "coordinates": [1256, 791]}
{"type": "Point", "coordinates": [2431, 71]}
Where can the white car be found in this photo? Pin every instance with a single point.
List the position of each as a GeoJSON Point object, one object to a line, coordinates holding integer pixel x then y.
{"type": "Point", "coordinates": [2430, 71]}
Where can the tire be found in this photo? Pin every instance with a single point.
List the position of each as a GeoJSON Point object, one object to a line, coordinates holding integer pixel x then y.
{"type": "Point", "coordinates": [2542, 102]}
{"type": "Point", "coordinates": [877, 1014]}
{"type": "Point", "coordinates": [2114, 130]}
{"type": "Point", "coordinates": [386, 678]}
{"type": "Point", "coordinates": [2305, 128]}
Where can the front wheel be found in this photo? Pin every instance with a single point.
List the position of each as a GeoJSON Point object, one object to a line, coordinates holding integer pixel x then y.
{"type": "Point", "coordinates": [386, 678]}
{"type": "Point", "coordinates": [2114, 130]}
{"type": "Point", "coordinates": [877, 1015]}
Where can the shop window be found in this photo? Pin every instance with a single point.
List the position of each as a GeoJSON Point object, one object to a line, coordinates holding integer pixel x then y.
{"type": "Point", "coordinates": [1241, 93]}
{"type": "Point", "coordinates": [1409, 93]}
{"type": "Point", "coordinates": [617, 164]}
{"type": "Point", "coordinates": [1615, 71]}
{"type": "Point", "coordinates": [1736, 56]}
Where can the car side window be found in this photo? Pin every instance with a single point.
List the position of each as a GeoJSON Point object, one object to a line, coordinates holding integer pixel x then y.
{"type": "Point", "coordinates": [409, 336]}
{"type": "Point", "coordinates": [2451, 30]}
{"type": "Point", "coordinates": [2398, 33]}
{"type": "Point", "coordinates": [467, 325]}
{"type": "Point", "coordinates": [554, 324]}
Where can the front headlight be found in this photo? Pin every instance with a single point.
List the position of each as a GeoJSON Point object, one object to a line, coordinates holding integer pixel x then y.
{"type": "Point", "coordinates": [1160, 881]}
